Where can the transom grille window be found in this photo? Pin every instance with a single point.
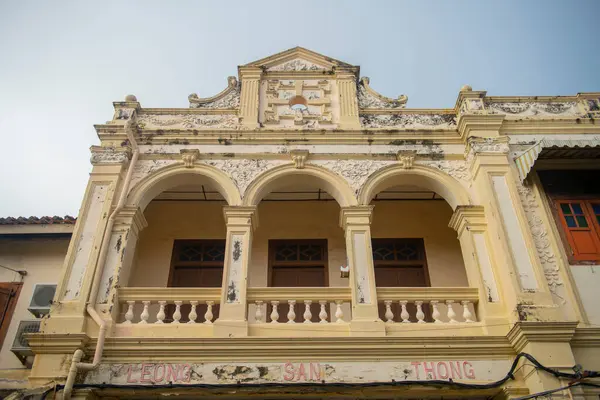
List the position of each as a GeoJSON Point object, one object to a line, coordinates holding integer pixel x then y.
{"type": "Point", "coordinates": [294, 251]}
{"type": "Point", "coordinates": [397, 249]}
{"type": "Point", "coordinates": [201, 251]}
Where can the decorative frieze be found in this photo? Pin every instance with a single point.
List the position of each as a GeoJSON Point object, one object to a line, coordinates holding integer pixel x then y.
{"type": "Point", "coordinates": [243, 172]}
{"type": "Point", "coordinates": [455, 168]}
{"type": "Point", "coordinates": [144, 168]}
{"type": "Point", "coordinates": [297, 64]}
{"type": "Point", "coordinates": [188, 121]}
{"type": "Point", "coordinates": [408, 121]}
{"type": "Point", "coordinates": [109, 156]}
{"type": "Point", "coordinates": [534, 109]}
{"type": "Point", "coordinates": [355, 172]}
{"type": "Point", "coordinates": [227, 99]}
{"type": "Point", "coordinates": [541, 237]}
{"type": "Point", "coordinates": [368, 98]}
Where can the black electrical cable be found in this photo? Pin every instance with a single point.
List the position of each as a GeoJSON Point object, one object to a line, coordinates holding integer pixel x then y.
{"type": "Point", "coordinates": [450, 384]}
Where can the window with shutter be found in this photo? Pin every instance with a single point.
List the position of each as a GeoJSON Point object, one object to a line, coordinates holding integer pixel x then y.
{"type": "Point", "coordinates": [579, 219]}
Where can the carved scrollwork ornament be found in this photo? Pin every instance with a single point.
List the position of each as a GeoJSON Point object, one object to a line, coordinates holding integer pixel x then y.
{"type": "Point", "coordinates": [189, 157]}
{"type": "Point", "coordinates": [299, 158]}
{"type": "Point", "coordinates": [406, 158]}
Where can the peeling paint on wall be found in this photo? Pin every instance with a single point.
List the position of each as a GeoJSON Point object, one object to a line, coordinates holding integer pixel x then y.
{"type": "Point", "coordinates": [360, 268]}
{"type": "Point", "coordinates": [85, 241]}
{"type": "Point", "coordinates": [113, 259]}
{"type": "Point", "coordinates": [235, 270]}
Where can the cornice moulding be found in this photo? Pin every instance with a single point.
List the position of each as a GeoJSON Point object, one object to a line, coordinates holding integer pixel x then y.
{"type": "Point", "coordinates": [525, 332]}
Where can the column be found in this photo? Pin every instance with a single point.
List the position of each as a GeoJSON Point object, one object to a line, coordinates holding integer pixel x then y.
{"type": "Point", "coordinates": [68, 314]}
{"type": "Point", "coordinates": [233, 321]}
{"type": "Point", "coordinates": [346, 83]}
{"type": "Point", "coordinates": [470, 224]}
{"type": "Point", "coordinates": [117, 268]}
{"type": "Point", "coordinates": [356, 222]}
{"type": "Point", "coordinates": [249, 103]}
{"type": "Point", "coordinates": [525, 288]}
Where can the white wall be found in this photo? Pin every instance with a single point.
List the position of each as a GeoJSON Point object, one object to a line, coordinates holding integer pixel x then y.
{"type": "Point", "coordinates": [42, 258]}
{"type": "Point", "coordinates": [587, 279]}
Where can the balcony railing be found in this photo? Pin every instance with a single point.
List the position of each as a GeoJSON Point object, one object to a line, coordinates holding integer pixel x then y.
{"type": "Point", "coordinates": [168, 305]}
{"type": "Point", "coordinates": [428, 304]}
{"type": "Point", "coordinates": [299, 304]}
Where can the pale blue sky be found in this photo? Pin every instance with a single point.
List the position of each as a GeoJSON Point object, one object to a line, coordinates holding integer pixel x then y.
{"type": "Point", "coordinates": [63, 63]}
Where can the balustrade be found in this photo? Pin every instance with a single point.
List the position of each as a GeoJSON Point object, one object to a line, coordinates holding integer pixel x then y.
{"type": "Point", "coordinates": [299, 305]}
{"type": "Point", "coordinates": [169, 305]}
{"type": "Point", "coordinates": [423, 305]}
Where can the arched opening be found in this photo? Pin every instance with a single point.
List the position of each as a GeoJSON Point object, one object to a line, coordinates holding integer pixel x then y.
{"type": "Point", "coordinates": [299, 242]}
{"type": "Point", "coordinates": [413, 247]}
{"type": "Point", "coordinates": [183, 245]}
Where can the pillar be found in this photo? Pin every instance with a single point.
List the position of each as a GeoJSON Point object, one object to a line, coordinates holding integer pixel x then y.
{"type": "Point", "coordinates": [470, 224]}
{"type": "Point", "coordinates": [249, 103]}
{"type": "Point", "coordinates": [356, 222]}
{"type": "Point", "coordinates": [346, 83]}
{"type": "Point", "coordinates": [233, 321]}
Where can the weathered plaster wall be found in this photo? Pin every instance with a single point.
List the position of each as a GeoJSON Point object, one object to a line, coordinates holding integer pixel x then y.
{"type": "Point", "coordinates": [168, 221]}
{"type": "Point", "coordinates": [43, 261]}
{"type": "Point", "coordinates": [427, 220]}
{"type": "Point", "coordinates": [587, 279]}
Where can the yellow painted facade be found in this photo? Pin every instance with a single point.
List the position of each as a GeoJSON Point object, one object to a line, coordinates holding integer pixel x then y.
{"type": "Point", "coordinates": [300, 147]}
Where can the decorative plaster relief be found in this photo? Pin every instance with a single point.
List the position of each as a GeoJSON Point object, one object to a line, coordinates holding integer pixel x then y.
{"type": "Point", "coordinates": [188, 121]}
{"type": "Point", "coordinates": [455, 168]}
{"type": "Point", "coordinates": [85, 241]}
{"type": "Point", "coordinates": [541, 237]}
{"type": "Point", "coordinates": [144, 168]}
{"type": "Point", "coordinates": [109, 157]}
{"type": "Point", "coordinates": [229, 101]}
{"type": "Point", "coordinates": [355, 172]}
{"type": "Point", "coordinates": [234, 271]}
{"type": "Point", "coordinates": [477, 145]}
{"type": "Point", "coordinates": [410, 121]}
{"type": "Point", "coordinates": [297, 64]}
{"type": "Point", "coordinates": [368, 98]}
{"type": "Point", "coordinates": [534, 109]}
{"type": "Point", "coordinates": [244, 171]}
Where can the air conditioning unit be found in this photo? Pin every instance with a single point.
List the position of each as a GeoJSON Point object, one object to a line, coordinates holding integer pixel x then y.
{"type": "Point", "coordinates": [20, 346]}
{"type": "Point", "coordinates": [41, 299]}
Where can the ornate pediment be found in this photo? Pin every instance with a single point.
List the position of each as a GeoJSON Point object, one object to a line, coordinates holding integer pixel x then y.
{"type": "Point", "coordinates": [229, 98]}
{"type": "Point", "coordinates": [369, 98]}
{"type": "Point", "coordinates": [298, 59]}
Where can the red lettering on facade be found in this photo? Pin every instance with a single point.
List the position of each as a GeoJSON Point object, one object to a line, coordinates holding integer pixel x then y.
{"type": "Point", "coordinates": [455, 371]}
{"type": "Point", "coordinates": [145, 373]}
{"type": "Point", "coordinates": [416, 364]}
{"type": "Point", "coordinates": [289, 371]}
{"type": "Point", "coordinates": [301, 373]}
{"type": "Point", "coordinates": [186, 373]}
{"type": "Point", "coordinates": [429, 371]}
{"type": "Point", "coordinates": [172, 373]}
{"type": "Point", "coordinates": [159, 377]}
{"type": "Point", "coordinates": [442, 372]}
{"type": "Point", "coordinates": [315, 371]}
{"type": "Point", "coordinates": [469, 371]}
{"type": "Point", "coordinates": [129, 380]}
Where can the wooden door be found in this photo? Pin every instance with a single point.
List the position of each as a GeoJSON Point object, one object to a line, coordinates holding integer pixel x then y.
{"type": "Point", "coordinates": [297, 263]}
{"type": "Point", "coordinates": [401, 263]}
{"type": "Point", "coordinates": [196, 263]}
{"type": "Point", "coordinates": [9, 293]}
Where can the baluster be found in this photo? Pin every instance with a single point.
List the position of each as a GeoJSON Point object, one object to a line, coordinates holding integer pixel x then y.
{"type": "Point", "coordinates": [193, 314]}
{"type": "Point", "coordinates": [466, 312]}
{"type": "Point", "coordinates": [389, 315]}
{"type": "Point", "coordinates": [291, 313]}
{"type": "Point", "coordinates": [451, 313]}
{"type": "Point", "coordinates": [145, 314]}
{"type": "Point", "coordinates": [208, 316]}
{"type": "Point", "coordinates": [258, 315]}
{"type": "Point", "coordinates": [177, 313]}
{"type": "Point", "coordinates": [339, 314]}
{"type": "Point", "coordinates": [129, 313]}
{"type": "Point", "coordinates": [274, 313]}
{"type": "Point", "coordinates": [160, 316]}
{"type": "Point", "coordinates": [404, 312]}
{"type": "Point", "coordinates": [420, 314]}
{"type": "Point", "coordinates": [323, 312]}
{"type": "Point", "coordinates": [307, 314]}
{"type": "Point", "coordinates": [436, 313]}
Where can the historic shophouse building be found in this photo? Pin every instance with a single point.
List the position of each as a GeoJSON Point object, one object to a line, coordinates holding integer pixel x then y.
{"type": "Point", "coordinates": [301, 235]}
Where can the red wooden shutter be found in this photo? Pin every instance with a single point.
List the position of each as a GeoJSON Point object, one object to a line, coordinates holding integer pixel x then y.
{"type": "Point", "coordinates": [577, 222]}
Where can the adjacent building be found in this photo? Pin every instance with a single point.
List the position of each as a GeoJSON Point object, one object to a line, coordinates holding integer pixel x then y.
{"type": "Point", "coordinates": [301, 235]}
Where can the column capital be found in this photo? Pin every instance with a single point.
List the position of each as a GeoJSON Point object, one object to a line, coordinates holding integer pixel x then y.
{"type": "Point", "coordinates": [468, 217]}
{"type": "Point", "coordinates": [241, 216]}
{"type": "Point", "coordinates": [131, 217]}
{"type": "Point", "coordinates": [250, 72]}
{"type": "Point", "coordinates": [524, 332]}
{"type": "Point", "coordinates": [358, 215]}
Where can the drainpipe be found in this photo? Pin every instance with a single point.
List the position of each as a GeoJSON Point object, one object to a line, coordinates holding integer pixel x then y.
{"type": "Point", "coordinates": [76, 364]}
